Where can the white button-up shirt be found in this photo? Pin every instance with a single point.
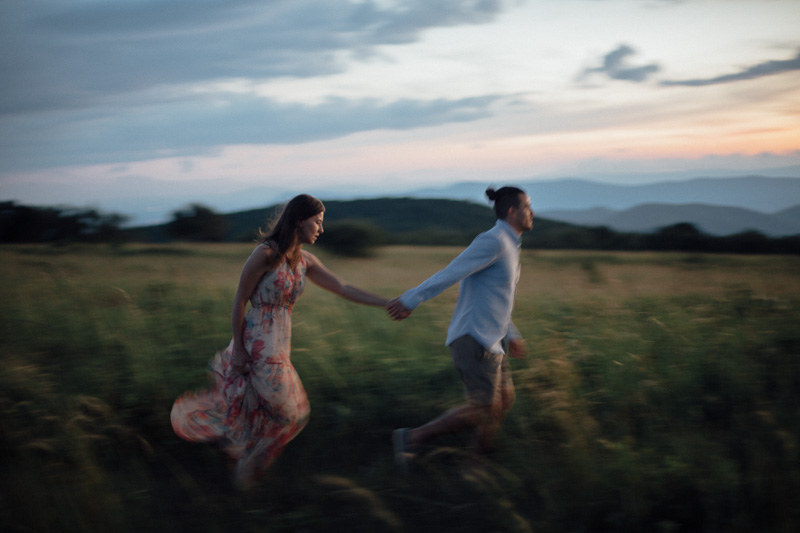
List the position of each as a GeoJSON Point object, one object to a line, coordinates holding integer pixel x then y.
{"type": "Point", "coordinates": [488, 272]}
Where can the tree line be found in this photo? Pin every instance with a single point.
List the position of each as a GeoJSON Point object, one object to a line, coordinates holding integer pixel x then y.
{"type": "Point", "coordinates": [356, 227]}
{"type": "Point", "coordinates": [30, 224]}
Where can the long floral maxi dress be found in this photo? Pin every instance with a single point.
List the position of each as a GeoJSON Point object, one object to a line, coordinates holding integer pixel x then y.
{"type": "Point", "coordinates": [253, 416]}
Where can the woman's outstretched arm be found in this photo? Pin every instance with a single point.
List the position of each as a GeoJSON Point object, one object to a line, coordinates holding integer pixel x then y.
{"type": "Point", "coordinates": [326, 279]}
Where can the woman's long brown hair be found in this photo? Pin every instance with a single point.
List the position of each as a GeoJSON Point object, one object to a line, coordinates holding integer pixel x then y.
{"type": "Point", "coordinates": [283, 231]}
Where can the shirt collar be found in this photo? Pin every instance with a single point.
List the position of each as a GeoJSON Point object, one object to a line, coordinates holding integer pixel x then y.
{"type": "Point", "coordinates": [508, 229]}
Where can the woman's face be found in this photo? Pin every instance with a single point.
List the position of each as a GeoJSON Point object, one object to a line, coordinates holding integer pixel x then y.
{"type": "Point", "coordinates": [310, 229]}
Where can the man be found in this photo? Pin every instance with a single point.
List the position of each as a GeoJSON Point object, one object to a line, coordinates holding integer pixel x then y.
{"type": "Point", "coordinates": [481, 335]}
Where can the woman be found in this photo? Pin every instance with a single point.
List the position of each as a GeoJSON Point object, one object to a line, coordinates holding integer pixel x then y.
{"type": "Point", "coordinates": [256, 403]}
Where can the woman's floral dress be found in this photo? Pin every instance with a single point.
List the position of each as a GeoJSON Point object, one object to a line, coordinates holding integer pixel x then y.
{"type": "Point", "coordinates": [253, 416]}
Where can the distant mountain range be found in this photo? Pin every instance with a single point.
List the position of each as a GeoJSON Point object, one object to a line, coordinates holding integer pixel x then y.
{"type": "Point", "coordinates": [766, 195]}
{"type": "Point", "coordinates": [444, 222]}
{"type": "Point", "coordinates": [710, 219]}
{"type": "Point", "coordinates": [716, 206]}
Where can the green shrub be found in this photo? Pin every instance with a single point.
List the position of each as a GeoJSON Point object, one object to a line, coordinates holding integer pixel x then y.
{"type": "Point", "coordinates": [352, 238]}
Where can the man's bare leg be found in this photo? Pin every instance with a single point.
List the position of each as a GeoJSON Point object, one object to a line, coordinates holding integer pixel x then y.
{"type": "Point", "coordinates": [486, 432]}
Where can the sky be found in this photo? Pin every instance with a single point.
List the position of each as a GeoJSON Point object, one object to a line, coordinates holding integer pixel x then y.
{"type": "Point", "coordinates": [151, 104]}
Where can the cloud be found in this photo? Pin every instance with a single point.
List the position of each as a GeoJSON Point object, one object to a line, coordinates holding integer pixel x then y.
{"type": "Point", "coordinates": [767, 68]}
{"type": "Point", "coordinates": [59, 55]}
{"type": "Point", "coordinates": [110, 81]}
{"type": "Point", "coordinates": [202, 124]}
{"type": "Point", "coordinates": [614, 65]}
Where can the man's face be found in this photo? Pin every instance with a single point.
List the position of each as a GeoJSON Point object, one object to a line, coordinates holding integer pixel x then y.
{"type": "Point", "coordinates": [521, 218]}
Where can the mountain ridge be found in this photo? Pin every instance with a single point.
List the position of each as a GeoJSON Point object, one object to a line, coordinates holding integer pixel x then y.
{"type": "Point", "coordinates": [711, 219]}
{"type": "Point", "coordinates": [764, 194]}
{"type": "Point", "coordinates": [767, 195]}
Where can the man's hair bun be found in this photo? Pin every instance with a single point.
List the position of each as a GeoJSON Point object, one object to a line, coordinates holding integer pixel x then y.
{"type": "Point", "coordinates": [504, 198]}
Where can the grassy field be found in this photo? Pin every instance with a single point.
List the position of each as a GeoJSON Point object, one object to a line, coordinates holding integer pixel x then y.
{"type": "Point", "coordinates": [661, 393]}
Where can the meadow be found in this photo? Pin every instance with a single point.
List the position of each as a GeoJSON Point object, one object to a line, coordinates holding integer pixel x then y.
{"type": "Point", "coordinates": [661, 392]}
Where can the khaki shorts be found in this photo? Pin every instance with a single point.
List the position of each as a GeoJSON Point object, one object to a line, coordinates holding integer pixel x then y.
{"type": "Point", "coordinates": [484, 374]}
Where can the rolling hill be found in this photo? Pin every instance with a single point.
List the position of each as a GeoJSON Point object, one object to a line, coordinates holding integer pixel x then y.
{"type": "Point", "coordinates": [450, 222]}
{"type": "Point", "coordinates": [401, 220]}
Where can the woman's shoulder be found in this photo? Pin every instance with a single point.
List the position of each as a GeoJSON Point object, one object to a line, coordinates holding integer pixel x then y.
{"type": "Point", "coordinates": [308, 258]}
{"type": "Point", "coordinates": [266, 251]}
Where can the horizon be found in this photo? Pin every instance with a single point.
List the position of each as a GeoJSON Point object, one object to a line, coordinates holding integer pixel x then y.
{"type": "Point", "coordinates": [743, 192]}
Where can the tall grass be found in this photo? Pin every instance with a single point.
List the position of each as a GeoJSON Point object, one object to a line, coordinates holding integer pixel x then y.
{"type": "Point", "coordinates": [661, 393]}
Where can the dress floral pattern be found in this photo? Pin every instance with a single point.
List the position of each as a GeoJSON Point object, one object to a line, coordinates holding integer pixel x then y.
{"type": "Point", "coordinates": [253, 417]}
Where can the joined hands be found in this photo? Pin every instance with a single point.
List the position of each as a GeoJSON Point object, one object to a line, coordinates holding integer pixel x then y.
{"type": "Point", "coordinates": [397, 310]}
